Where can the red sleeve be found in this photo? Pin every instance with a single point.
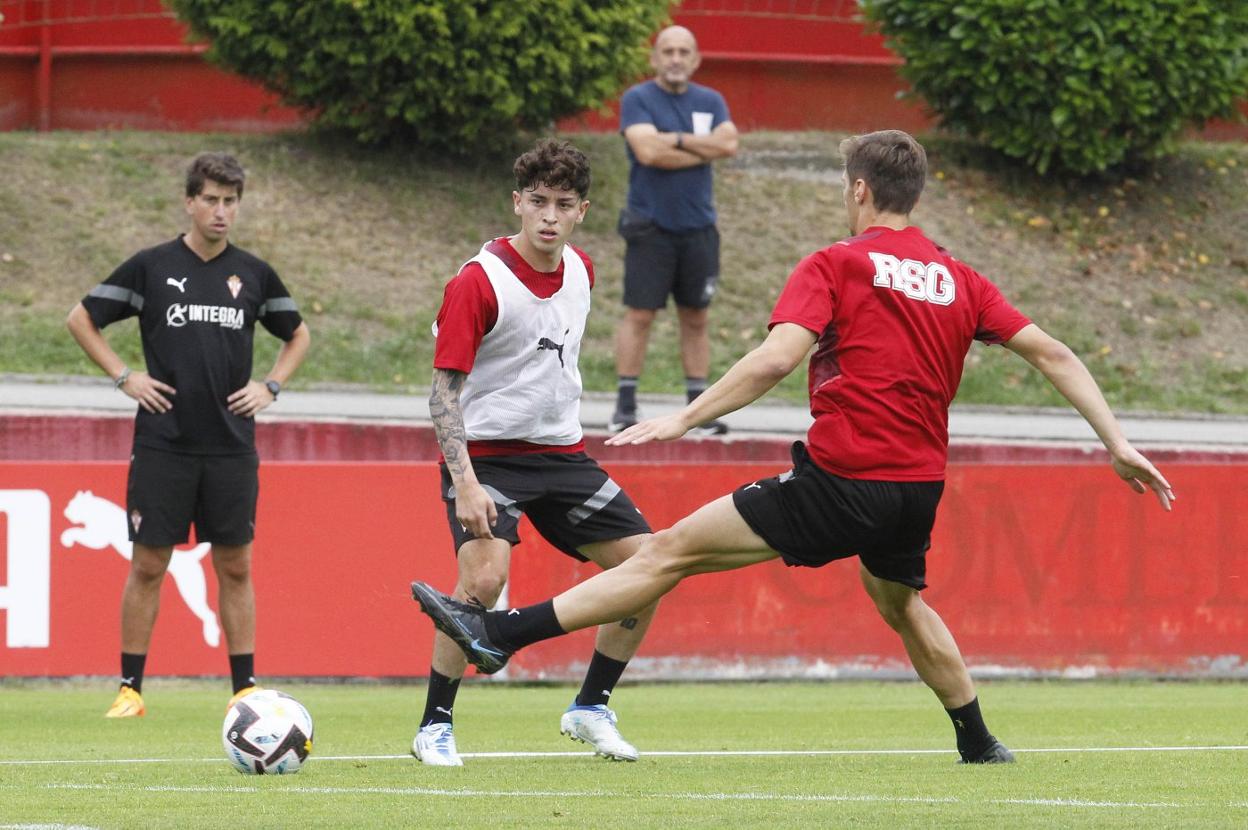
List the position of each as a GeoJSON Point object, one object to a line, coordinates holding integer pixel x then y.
{"type": "Point", "coordinates": [469, 310]}
{"type": "Point", "coordinates": [808, 298]}
{"type": "Point", "coordinates": [589, 264]}
{"type": "Point", "coordinates": [997, 320]}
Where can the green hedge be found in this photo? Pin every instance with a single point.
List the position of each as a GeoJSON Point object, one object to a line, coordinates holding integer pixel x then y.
{"type": "Point", "coordinates": [1075, 85]}
{"type": "Point", "coordinates": [453, 75]}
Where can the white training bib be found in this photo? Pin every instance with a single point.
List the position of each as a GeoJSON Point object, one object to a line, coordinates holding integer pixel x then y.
{"type": "Point", "coordinates": [525, 384]}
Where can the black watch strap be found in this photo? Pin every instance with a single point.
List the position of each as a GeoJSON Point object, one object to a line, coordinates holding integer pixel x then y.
{"type": "Point", "coordinates": [274, 387]}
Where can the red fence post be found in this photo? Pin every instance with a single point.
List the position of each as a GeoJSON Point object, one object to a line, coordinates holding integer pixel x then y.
{"type": "Point", "coordinates": [43, 77]}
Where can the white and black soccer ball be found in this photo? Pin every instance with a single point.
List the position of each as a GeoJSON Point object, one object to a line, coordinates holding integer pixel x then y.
{"type": "Point", "coordinates": [267, 733]}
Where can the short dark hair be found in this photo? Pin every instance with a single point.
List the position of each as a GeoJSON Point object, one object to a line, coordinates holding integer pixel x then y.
{"type": "Point", "coordinates": [221, 168]}
{"type": "Point", "coordinates": [556, 164]}
{"type": "Point", "coordinates": [892, 164]}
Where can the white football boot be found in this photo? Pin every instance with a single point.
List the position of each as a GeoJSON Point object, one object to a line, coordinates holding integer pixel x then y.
{"type": "Point", "coordinates": [595, 725]}
{"type": "Point", "coordinates": [435, 745]}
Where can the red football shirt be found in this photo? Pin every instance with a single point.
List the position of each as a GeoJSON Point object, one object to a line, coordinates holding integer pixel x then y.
{"type": "Point", "coordinates": [470, 310]}
{"type": "Point", "coordinates": [895, 315]}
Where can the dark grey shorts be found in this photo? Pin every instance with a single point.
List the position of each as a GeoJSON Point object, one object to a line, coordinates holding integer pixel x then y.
{"type": "Point", "coordinates": [567, 496]}
{"type": "Point", "coordinates": [812, 517]}
{"type": "Point", "coordinates": [660, 263]}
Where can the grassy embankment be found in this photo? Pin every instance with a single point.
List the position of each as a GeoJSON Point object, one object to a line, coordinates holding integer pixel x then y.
{"type": "Point", "coordinates": [1146, 277]}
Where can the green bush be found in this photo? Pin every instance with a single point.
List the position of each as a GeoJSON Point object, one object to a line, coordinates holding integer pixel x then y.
{"type": "Point", "coordinates": [1076, 85]}
{"type": "Point", "coordinates": [457, 75]}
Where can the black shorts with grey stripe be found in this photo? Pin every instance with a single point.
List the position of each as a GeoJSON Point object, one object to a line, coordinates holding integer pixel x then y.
{"type": "Point", "coordinates": [812, 517]}
{"type": "Point", "coordinates": [569, 499]}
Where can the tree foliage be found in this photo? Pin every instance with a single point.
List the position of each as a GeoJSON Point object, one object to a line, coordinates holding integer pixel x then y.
{"type": "Point", "coordinates": [454, 75]}
{"type": "Point", "coordinates": [1075, 85]}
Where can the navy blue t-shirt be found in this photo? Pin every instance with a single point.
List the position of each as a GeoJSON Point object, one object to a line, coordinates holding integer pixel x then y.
{"type": "Point", "coordinates": [675, 200]}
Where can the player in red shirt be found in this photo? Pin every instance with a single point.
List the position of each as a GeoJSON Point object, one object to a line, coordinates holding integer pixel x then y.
{"type": "Point", "coordinates": [890, 316]}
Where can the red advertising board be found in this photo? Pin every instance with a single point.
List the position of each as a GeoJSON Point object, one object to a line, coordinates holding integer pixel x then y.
{"type": "Point", "coordinates": [1044, 568]}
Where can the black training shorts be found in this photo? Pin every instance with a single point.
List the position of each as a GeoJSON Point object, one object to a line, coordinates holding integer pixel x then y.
{"type": "Point", "coordinates": [658, 263]}
{"type": "Point", "coordinates": [567, 496]}
{"type": "Point", "coordinates": [812, 517]}
{"type": "Point", "coordinates": [168, 491]}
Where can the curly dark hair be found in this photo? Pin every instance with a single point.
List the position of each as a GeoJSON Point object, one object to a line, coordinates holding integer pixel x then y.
{"type": "Point", "coordinates": [221, 168]}
{"type": "Point", "coordinates": [892, 164]}
{"type": "Point", "coordinates": [556, 164]}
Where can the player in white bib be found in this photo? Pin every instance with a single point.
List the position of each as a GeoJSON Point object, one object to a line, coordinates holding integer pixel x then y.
{"type": "Point", "coordinates": [506, 409]}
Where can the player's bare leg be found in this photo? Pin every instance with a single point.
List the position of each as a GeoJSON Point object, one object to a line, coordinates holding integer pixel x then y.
{"type": "Point", "coordinates": [695, 357]}
{"type": "Point", "coordinates": [714, 538]}
{"type": "Point", "coordinates": [632, 335]}
{"type": "Point", "coordinates": [237, 599]}
{"type": "Point", "coordinates": [483, 568]}
{"type": "Point", "coordinates": [695, 341]}
{"type": "Point", "coordinates": [140, 599]}
{"type": "Point", "coordinates": [140, 602]}
{"type": "Point", "coordinates": [236, 596]}
{"type": "Point", "coordinates": [939, 663]}
{"type": "Point", "coordinates": [928, 642]}
{"type": "Point", "coordinates": [619, 639]}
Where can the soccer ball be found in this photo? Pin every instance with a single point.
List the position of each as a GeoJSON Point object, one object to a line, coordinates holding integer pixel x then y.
{"type": "Point", "coordinates": [267, 733]}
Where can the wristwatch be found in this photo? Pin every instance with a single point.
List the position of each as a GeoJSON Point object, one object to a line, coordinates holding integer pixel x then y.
{"type": "Point", "coordinates": [274, 387]}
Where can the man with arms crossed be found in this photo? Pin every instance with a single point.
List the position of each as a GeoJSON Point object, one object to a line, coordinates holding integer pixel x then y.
{"type": "Point", "coordinates": [891, 316]}
{"type": "Point", "coordinates": [505, 406]}
{"type": "Point", "coordinates": [198, 299]}
{"type": "Point", "coordinates": [674, 129]}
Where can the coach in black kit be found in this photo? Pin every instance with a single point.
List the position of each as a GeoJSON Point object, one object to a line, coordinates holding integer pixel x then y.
{"type": "Point", "coordinates": [198, 299]}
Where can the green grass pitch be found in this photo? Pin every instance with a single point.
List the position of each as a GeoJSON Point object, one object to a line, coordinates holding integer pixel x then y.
{"type": "Point", "coordinates": [714, 755]}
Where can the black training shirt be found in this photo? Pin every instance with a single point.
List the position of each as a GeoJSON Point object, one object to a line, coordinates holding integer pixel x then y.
{"type": "Point", "coordinates": [196, 320]}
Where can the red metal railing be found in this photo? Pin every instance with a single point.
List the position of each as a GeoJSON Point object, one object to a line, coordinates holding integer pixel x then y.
{"type": "Point", "coordinates": [47, 30]}
{"type": "Point", "coordinates": [782, 64]}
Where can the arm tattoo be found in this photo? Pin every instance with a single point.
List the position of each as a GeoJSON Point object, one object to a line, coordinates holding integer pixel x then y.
{"type": "Point", "coordinates": [628, 622]}
{"type": "Point", "coordinates": [448, 420]}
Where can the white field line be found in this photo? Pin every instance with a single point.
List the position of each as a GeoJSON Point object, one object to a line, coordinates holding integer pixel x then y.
{"type": "Point", "coordinates": [722, 797]}
{"type": "Point", "coordinates": [710, 753]}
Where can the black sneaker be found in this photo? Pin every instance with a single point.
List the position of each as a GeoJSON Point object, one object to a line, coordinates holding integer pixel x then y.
{"type": "Point", "coordinates": [996, 753]}
{"type": "Point", "coordinates": [710, 428]}
{"type": "Point", "coordinates": [621, 421]}
{"type": "Point", "coordinates": [463, 623]}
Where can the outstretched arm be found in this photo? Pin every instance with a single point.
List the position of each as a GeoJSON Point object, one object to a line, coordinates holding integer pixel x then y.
{"type": "Point", "coordinates": [748, 380]}
{"type": "Point", "coordinates": [474, 508]}
{"type": "Point", "coordinates": [1071, 377]}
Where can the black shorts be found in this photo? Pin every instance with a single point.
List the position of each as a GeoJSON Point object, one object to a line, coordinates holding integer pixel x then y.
{"type": "Point", "coordinates": [658, 263]}
{"type": "Point", "coordinates": [812, 517]}
{"type": "Point", "coordinates": [168, 491]}
{"type": "Point", "coordinates": [567, 496]}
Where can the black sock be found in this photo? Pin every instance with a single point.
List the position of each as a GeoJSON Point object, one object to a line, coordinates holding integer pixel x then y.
{"type": "Point", "coordinates": [601, 678]}
{"type": "Point", "coordinates": [626, 399]}
{"type": "Point", "coordinates": [694, 387]}
{"type": "Point", "coordinates": [242, 671]}
{"type": "Point", "coordinates": [440, 700]}
{"type": "Point", "coordinates": [132, 670]}
{"type": "Point", "coordinates": [973, 735]}
{"type": "Point", "coordinates": [520, 627]}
